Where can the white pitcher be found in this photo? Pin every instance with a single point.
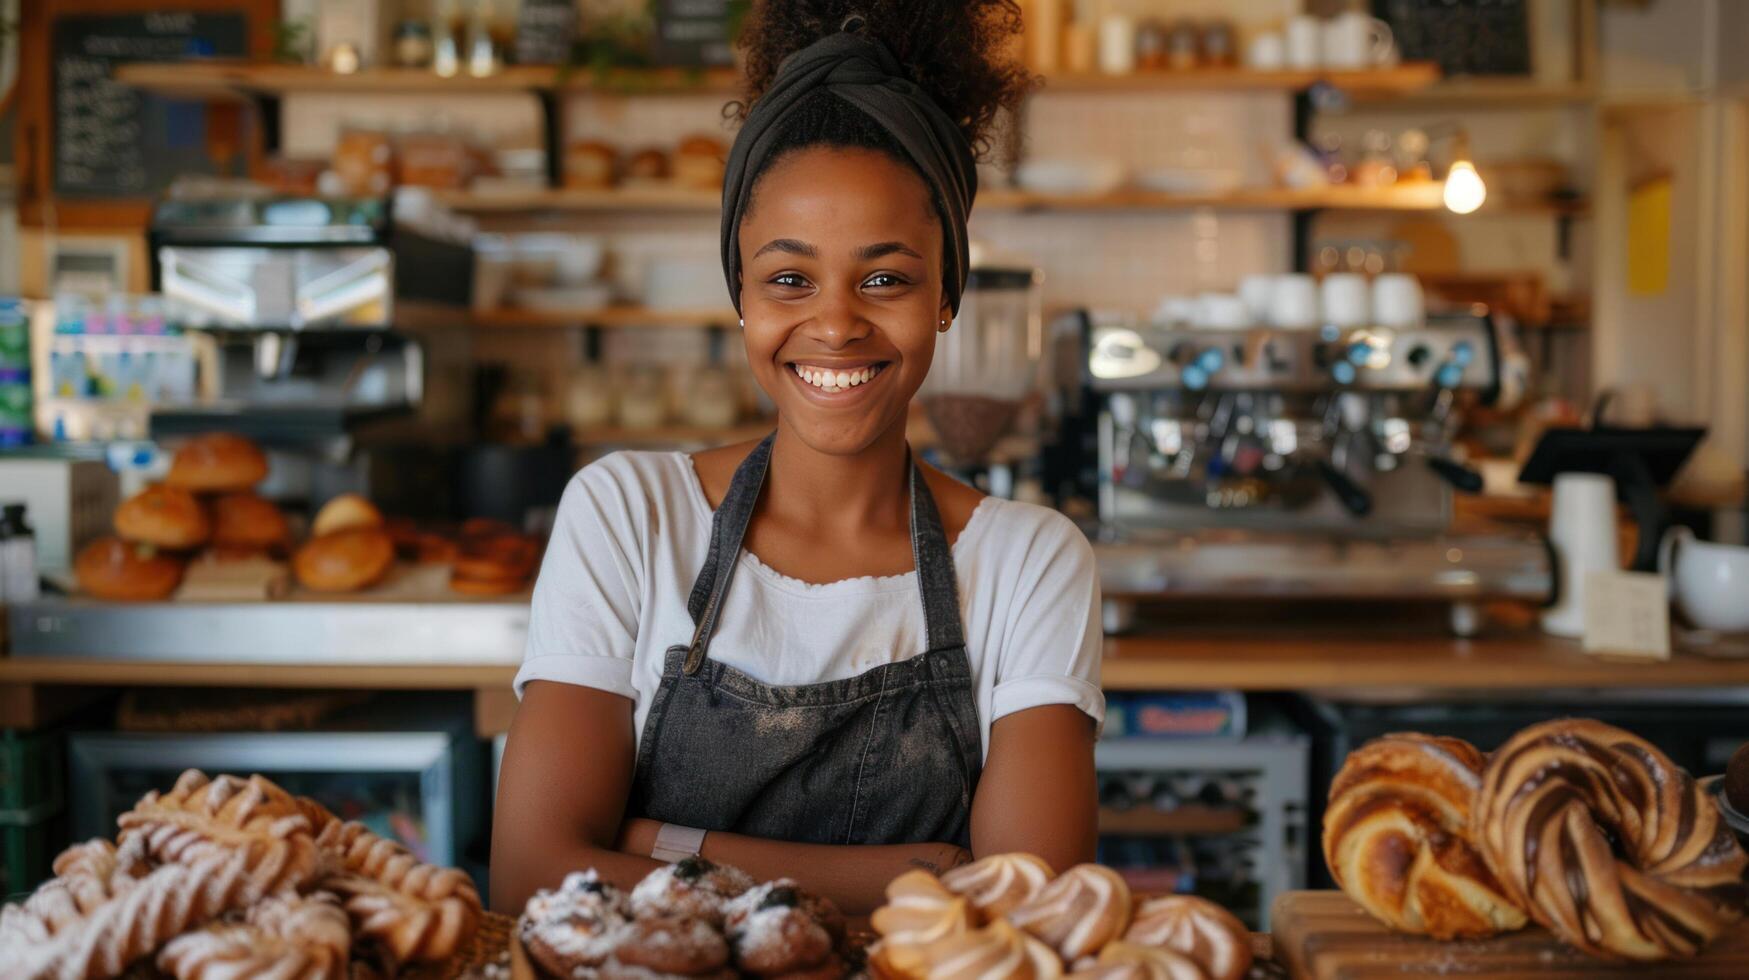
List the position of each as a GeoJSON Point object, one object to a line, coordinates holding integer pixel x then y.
{"type": "Point", "coordinates": [1709, 581]}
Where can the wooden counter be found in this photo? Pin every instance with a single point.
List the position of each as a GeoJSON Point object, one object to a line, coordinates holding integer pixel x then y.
{"type": "Point", "coordinates": [1203, 660]}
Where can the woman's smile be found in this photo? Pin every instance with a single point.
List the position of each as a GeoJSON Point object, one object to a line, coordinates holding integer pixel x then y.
{"type": "Point", "coordinates": [837, 382]}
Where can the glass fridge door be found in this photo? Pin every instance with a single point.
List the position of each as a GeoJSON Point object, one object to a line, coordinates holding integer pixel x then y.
{"type": "Point", "coordinates": [401, 785]}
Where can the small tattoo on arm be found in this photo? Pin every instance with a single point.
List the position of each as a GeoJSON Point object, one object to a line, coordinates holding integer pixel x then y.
{"type": "Point", "coordinates": [929, 866]}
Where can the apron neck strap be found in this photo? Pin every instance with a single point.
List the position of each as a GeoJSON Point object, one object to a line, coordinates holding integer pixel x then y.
{"type": "Point", "coordinates": [936, 581]}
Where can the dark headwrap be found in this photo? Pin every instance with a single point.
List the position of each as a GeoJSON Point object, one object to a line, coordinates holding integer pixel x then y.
{"type": "Point", "coordinates": [863, 72]}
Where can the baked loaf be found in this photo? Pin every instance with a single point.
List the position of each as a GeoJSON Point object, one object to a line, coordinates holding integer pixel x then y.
{"type": "Point", "coordinates": [1608, 843]}
{"type": "Point", "coordinates": [1737, 779]}
{"type": "Point", "coordinates": [116, 570]}
{"type": "Point", "coordinates": [920, 910]}
{"type": "Point", "coordinates": [1079, 912]}
{"type": "Point", "coordinates": [217, 462]}
{"type": "Point", "coordinates": [1192, 927]}
{"type": "Point", "coordinates": [290, 936]}
{"type": "Point", "coordinates": [250, 817]}
{"type": "Point", "coordinates": [995, 884]}
{"type": "Point", "coordinates": [165, 517]}
{"type": "Point", "coordinates": [413, 910]}
{"type": "Point", "coordinates": [1397, 838]}
{"type": "Point", "coordinates": [344, 561]}
{"type": "Point", "coordinates": [1128, 961]}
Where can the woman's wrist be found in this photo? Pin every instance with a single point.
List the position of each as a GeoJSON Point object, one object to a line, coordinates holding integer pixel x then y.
{"type": "Point", "coordinates": [637, 836]}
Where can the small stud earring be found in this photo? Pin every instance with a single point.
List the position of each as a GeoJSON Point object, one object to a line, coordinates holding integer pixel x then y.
{"type": "Point", "coordinates": [743, 322]}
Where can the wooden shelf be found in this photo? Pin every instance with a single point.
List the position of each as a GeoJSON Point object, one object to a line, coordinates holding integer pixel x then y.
{"type": "Point", "coordinates": [673, 435]}
{"type": "Point", "coordinates": [1506, 93]}
{"type": "Point", "coordinates": [607, 316]}
{"type": "Point", "coordinates": [1193, 819]}
{"type": "Point", "coordinates": [229, 79]}
{"type": "Point", "coordinates": [1416, 197]}
{"type": "Point", "coordinates": [1395, 80]}
{"type": "Point", "coordinates": [650, 197]}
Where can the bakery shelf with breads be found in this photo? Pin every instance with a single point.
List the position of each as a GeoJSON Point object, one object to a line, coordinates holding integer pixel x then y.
{"type": "Point", "coordinates": [235, 878]}
{"type": "Point", "coordinates": [205, 522]}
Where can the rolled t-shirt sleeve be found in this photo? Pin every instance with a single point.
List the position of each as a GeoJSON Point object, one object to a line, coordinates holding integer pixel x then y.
{"type": "Point", "coordinates": [1053, 643]}
{"type": "Point", "coordinates": [583, 621]}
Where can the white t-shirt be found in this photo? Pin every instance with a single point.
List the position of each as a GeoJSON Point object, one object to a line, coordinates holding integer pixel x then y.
{"type": "Point", "coordinates": [632, 532]}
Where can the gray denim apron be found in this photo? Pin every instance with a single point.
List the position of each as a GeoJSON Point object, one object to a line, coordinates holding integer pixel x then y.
{"type": "Point", "coordinates": [890, 756]}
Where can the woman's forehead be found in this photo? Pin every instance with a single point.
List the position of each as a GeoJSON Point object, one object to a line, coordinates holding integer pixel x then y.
{"type": "Point", "coordinates": [836, 195]}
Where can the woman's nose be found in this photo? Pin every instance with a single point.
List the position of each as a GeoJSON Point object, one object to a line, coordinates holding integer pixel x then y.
{"type": "Point", "coordinates": [840, 321]}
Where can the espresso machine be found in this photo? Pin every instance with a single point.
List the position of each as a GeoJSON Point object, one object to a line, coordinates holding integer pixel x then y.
{"type": "Point", "coordinates": [1288, 463]}
{"type": "Point", "coordinates": [302, 299]}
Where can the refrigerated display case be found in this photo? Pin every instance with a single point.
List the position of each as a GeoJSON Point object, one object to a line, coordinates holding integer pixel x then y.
{"type": "Point", "coordinates": [424, 789]}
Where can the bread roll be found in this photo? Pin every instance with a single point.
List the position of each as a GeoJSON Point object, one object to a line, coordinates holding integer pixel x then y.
{"type": "Point", "coordinates": [110, 568]}
{"type": "Point", "coordinates": [348, 510]}
{"type": "Point", "coordinates": [244, 522]}
{"type": "Point", "coordinates": [165, 517]}
{"type": "Point", "coordinates": [217, 462]}
{"type": "Point", "coordinates": [344, 561]}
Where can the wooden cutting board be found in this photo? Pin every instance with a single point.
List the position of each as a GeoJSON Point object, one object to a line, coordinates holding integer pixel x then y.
{"type": "Point", "coordinates": [1325, 936]}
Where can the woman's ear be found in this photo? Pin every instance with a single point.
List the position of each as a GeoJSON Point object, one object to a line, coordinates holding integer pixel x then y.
{"type": "Point", "coordinates": [944, 318]}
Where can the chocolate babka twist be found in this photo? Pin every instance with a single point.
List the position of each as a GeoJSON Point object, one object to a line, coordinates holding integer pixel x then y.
{"type": "Point", "coordinates": [1608, 843]}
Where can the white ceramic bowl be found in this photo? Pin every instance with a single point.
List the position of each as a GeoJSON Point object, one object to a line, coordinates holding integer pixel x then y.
{"type": "Point", "coordinates": [1070, 176]}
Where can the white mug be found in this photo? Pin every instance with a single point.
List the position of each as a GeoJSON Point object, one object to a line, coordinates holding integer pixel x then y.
{"type": "Point", "coordinates": [1268, 52]}
{"type": "Point", "coordinates": [1397, 301]}
{"type": "Point", "coordinates": [1293, 305]}
{"type": "Point", "coordinates": [1221, 311]}
{"type": "Point", "coordinates": [1346, 299]}
{"type": "Point", "coordinates": [1582, 531]}
{"type": "Point", "coordinates": [1256, 291]}
{"type": "Point", "coordinates": [1710, 582]}
{"type": "Point", "coordinates": [1304, 42]}
{"type": "Point", "coordinates": [1354, 40]}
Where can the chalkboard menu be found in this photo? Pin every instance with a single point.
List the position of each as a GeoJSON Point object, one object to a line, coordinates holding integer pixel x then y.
{"type": "Point", "coordinates": [111, 140]}
{"type": "Point", "coordinates": [693, 33]}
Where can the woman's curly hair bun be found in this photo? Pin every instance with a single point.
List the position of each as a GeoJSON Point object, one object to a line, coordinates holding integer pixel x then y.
{"type": "Point", "coordinates": [958, 51]}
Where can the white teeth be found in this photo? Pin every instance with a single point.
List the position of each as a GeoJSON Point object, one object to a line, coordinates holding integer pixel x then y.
{"type": "Point", "coordinates": [831, 381]}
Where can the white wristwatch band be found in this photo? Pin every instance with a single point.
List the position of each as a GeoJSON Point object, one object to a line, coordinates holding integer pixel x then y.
{"type": "Point", "coordinates": [677, 843]}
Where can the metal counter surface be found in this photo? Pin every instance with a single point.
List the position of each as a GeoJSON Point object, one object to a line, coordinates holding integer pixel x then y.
{"type": "Point", "coordinates": [304, 632]}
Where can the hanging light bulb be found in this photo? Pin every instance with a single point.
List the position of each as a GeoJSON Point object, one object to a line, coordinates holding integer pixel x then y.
{"type": "Point", "coordinates": [1464, 190]}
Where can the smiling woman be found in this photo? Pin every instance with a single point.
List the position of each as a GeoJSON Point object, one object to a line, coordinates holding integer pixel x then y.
{"type": "Point", "coordinates": [905, 673]}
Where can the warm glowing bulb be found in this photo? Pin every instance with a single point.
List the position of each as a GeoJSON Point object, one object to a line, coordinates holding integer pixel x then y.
{"type": "Point", "coordinates": [1464, 190]}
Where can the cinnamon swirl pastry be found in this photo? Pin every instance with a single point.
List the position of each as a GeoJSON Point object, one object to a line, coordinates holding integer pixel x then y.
{"type": "Point", "coordinates": [1608, 843]}
{"type": "Point", "coordinates": [1397, 838]}
{"type": "Point", "coordinates": [1128, 961]}
{"type": "Point", "coordinates": [413, 910]}
{"type": "Point", "coordinates": [1079, 912]}
{"type": "Point", "coordinates": [201, 815]}
{"type": "Point", "coordinates": [920, 910]}
{"type": "Point", "coordinates": [994, 885]}
{"type": "Point", "coordinates": [998, 951]}
{"type": "Point", "coordinates": [284, 937]}
{"type": "Point", "coordinates": [1193, 927]}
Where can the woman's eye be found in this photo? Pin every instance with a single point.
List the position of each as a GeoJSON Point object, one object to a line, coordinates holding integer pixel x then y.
{"type": "Point", "coordinates": [883, 280]}
{"type": "Point", "coordinates": [792, 280]}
